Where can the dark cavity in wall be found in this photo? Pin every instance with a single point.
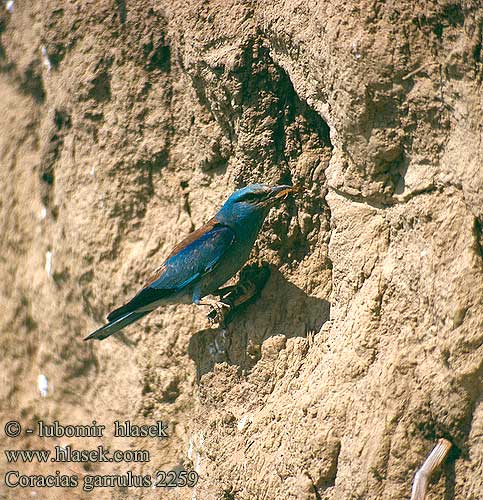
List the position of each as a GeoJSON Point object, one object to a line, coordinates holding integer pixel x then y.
{"type": "Point", "coordinates": [276, 136]}
{"type": "Point", "coordinates": [291, 145]}
{"type": "Point", "coordinates": [121, 9]}
{"type": "Point", "coordinates": [478, 232]}
{"type": "Point", "coordinates": [51, 152]}
{"type": "Point", "coordinates": [32, 83]}
{"type": "Point", "coordinates": [101, 87]}
{"type": "Point", "coordinates": [269, 106]}
{"type": "Point", "coordinates": [157, 55]}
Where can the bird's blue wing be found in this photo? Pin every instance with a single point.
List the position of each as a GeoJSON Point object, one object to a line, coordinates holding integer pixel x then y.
{"type": "Point", "coordinates": [195, 256]}
{"type": "Point", "coordinates": [198, 256]}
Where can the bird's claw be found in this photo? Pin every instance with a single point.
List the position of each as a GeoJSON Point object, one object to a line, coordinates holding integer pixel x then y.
{"type": "Point", "coordinates": [218, 312]}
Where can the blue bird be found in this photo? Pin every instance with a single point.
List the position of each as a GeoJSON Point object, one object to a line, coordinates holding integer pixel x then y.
{"type": "Point", "coordinates": [204, 260]}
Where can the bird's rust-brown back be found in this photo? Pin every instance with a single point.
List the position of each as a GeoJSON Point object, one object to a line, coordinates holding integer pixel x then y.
{"type": "Point", "coordinates": [181, 246]}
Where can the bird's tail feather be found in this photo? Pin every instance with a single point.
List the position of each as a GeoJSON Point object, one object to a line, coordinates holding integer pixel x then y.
{"type": "Point", "coordinates": [116, 325]}
{"type": "Point", "coordinates": [120, 311]}
{"type": "Point", "coordinates": [145, 298]}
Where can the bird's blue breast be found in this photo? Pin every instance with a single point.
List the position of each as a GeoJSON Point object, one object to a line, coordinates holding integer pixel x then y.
{"type": "Point", "coordinates": [234, 258]}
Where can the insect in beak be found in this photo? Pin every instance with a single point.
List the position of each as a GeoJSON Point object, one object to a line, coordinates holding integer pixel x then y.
{"type": "Point", "coordinates": [281, 192]}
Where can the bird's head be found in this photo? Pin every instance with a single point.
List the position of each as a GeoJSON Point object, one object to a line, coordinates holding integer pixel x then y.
{"type": "Point", "coordinates": [253, 201]}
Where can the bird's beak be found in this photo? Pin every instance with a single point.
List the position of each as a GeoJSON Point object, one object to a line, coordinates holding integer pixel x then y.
{"type": "Point", "coordinates": [281, 192]}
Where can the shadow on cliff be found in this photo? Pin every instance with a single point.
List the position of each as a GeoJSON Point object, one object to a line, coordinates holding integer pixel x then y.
{"type": "Point", "coordinates": [281, 309]}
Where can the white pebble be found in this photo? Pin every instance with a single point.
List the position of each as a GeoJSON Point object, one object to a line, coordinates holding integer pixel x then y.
{"type": "Point", "coordinates": [212, 349]}
{"type": "Point", "coordinates": [243, 422]}
{"type": "Point", "coordinates": [197, 463]}
{"type": "Point", "coordinates": [47, 63]}
{"type": "Point", "coordinates": [43, 213]}
{"type": "Point", "coordinates": [9, 6]}
{"type": "Point", "coordinates": [43, 385]}
{"type": "Point", "coordinates": [355, 50]}
{"type": "Point", "coordinates": [190, 449]}
{"type": "Point", "coordinates": [48, 262]}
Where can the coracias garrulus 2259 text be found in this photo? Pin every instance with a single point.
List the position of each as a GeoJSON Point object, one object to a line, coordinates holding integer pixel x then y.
{"type": "Point", "coordinates": [204, 260]}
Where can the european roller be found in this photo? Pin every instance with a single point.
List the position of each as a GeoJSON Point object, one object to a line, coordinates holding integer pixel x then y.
{"type": "Point", "coordinates": [206, 259]}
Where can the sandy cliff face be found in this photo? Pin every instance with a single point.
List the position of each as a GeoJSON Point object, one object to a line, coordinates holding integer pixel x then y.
{"type": "Point", "coordinates": [124, 125]}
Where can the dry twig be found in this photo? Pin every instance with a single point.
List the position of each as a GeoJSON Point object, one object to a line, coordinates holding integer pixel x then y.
{"type": "Point", "coordinates": [417, 70]}
{"type": "Point", "coordinates": [433, 462]}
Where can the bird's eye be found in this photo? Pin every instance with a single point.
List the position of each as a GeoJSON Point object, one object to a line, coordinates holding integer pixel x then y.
{"type": "Point", "coordinates": [253, 197]}
{"type": "Point", "coordinates": [250, 197]}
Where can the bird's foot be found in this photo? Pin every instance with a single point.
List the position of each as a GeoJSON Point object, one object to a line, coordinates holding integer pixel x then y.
{"type": "Point", "coordinates": [218, 311]}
